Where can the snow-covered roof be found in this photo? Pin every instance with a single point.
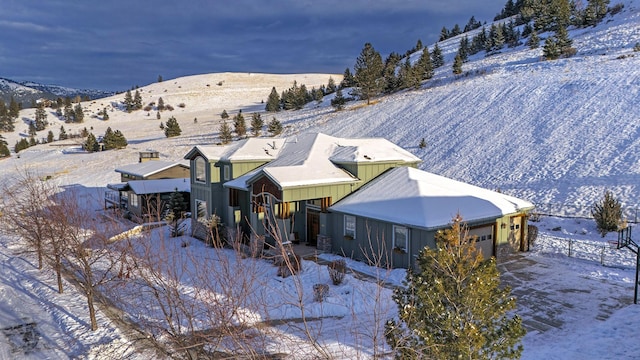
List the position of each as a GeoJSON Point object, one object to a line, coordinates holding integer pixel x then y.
{"type": "Point", "coordinates": [312, 158]}
{"type": "Point", "coordinates": [148, 168]}
{"type": "Point", "coordinates": [251, 149]}
{"type": "Point", "coordinates": [142, 187]}
{"type": "Point", "coordinates": [417, 198]}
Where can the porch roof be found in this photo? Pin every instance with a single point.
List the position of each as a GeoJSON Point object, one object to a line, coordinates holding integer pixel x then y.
{"type": "Point", "coordinates": [412, 197]}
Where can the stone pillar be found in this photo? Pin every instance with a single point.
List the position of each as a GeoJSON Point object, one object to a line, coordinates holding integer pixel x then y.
{"type": "Point", "coordinates": [324, 243]}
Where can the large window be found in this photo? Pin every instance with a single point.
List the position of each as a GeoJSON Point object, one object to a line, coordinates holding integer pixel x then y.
{"type": "Point", "coordinates": [133, 200]}
{"type": "Point", "coordinates": [350, 226]}
{"type": "Point", "coordinates": [400, 237]}
{"type": "Point", "coordinates": [201, 170]}
{"type": "Point", "coordinates": [226, 172]}
{"type": "Point", "coordinates": [201, 211]}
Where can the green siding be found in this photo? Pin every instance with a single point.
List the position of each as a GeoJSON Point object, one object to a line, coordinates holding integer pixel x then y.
{"type": "Point", "coordinates": [335, 192]}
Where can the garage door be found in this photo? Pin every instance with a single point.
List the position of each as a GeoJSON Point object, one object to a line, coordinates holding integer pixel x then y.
{"type": "Point", "coordinates": [484, 239]}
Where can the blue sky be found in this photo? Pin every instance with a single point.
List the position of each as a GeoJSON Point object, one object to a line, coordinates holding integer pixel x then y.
{"type": "Point", "coordinates": [117, 44]}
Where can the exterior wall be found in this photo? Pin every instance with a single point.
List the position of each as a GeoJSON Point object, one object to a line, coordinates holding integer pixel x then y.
{"type": "Point", "coordinates": [176, 172]}
{"type": "Point", "coordinates": [369, 171]}
{"type": "Point", "coordinates": [335, 192]}
{"type": "Point", "coordinates": [374, 242]}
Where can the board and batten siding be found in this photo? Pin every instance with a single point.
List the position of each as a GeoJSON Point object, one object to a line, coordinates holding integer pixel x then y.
{"type": "Point", "coordinates": [373, 242]}
{"type": "Point", "coordinates": [368, 171]}
{"type": "Point", "coordinates": [334, 191]}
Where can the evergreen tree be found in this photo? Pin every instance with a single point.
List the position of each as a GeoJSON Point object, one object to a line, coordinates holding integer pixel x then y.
{"type": "Point", "coordinates": [273, 101]}
{"type": "Point", "coordinates": [338, 100]}
{"type": "Point", "coordinates": [172, 128]}
{"type": "Point", "coordinates": [63, 134]}
{"type": "Point", "coordinates": [444, 34]}
{"type": "Point", "coordinates": [32, 129]}
{"type": "Point", "coordinates": [40, 117]}
{"type": "Point", "coordinates": [534, 41]}
{"type": "Point", "coordinates": [175, 209]}
{"type": "Point", "coordinates": [159, 78]}
{"type": "Point", "coordinates": [368, 71]}
{"type": "Point", "coordinates": [347, 79]}
{"type": "Point", "coordinates": [239, 125]}
{"type": "Point", "coordinates": [137, 101]}
{"type": "Point", "coordinates": [408, 75]}
{"type": "Point", "coordinates": [84, 133]}
{"type": "Point", "coordinates": [391, 80]}
{"type": "Point", "coordinates": [424, 66]}
{"type": "Point", "coordinates": [564, 42]}
{"type": "Point", "coordinates": [437, 59]}
{"type": "Point", "coordinates": [551, 51]}
{"type": "Point", "coordinates": [256, 124]}
{"type": "Point", "coordinates": [14, 108]}
{"type": "Point", "coordinates": [32, 141]}
{"type": "Point", "coordinates": [6, 122]}
{"type": "Point", "coordinates": [78, 114]}
{"type": "Point", "coordinates": [331, 86]}
{"type": "Point", "coordinates": [91, 144]}
{"type": "Point", "coordinates": [454, 306]}
{"type": "Point", "coordinates": [472, 24]}
{"type": "Point", "coordinates": [457, 64]}
{"type": "Point", "coordinates": [105, 114]}
{"type": "Point", "coordinates": [50, 137]}
{"type": "Point", "coordinates": [161, 106]}
{"type": "Point", "coordinates": [21, 145]}
{"type": "Point", "coordinates": [128, 101]}
{"type": "Point", "coordinates": [158, 116]}
{"type": "Point", "coordinates": [274, 127]}
{"type": "Point", "coordinates": [108, 139]}
{"type": "Point", "coordinates": [4, 147]}
{"type": "Point", "coordinates": [455, 31]}
{"type": "Point", "coordinates": [607, 213]}
{"type": "Point", "coordinates": [225, 132]}
{"type": "Point", "coordinates": [463, 49]}
{"type": "Point", "coordinates": [224, 115]}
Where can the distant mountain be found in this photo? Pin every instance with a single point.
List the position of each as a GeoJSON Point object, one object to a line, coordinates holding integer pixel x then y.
{"type": "Point", "coordinates": [27, 91]}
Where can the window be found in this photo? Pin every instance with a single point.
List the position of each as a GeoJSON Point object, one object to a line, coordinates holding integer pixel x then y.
{"type": "Point", "coordinates": [226, 172]}
{"type": "Point", "coordinates": [400, 237]}
{"type": "Point", "coordinates": [201, 211]}
{"type": "Point", "coordinates": [234, 197]}
{"type": "Point", "coordinates": [350, 226]}
{"type": "Point", "coordinates": [201, 173]}
{"type": "Point", "coordinates": [133, 200]}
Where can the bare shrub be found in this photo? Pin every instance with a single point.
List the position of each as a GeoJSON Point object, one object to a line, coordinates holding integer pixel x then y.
{"type": "Point", "coordinates": [289, 264]}
{"type": "Point", "coordinates": [337, 270]}
{"type": "Point", "coordinates": [320, 292]}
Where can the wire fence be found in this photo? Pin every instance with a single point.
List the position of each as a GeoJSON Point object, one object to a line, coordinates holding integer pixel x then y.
{"type": "Point", "coordinates": [605, 253]}
{"type": "Point", "coordinates": [629, 212]}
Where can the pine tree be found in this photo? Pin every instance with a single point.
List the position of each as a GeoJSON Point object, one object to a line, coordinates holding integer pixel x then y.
{"type": "Point", "coordinates": [607, 213]}
{"type": "Point", "coordinates": [32, 129]}
{"type": "Point", "coordinates": [14, 108]}
{"type": "Point", "coordinates": [331, 86]}
{"type": "Point", "coordinates": [128, 101]}
{"type": "Point", "coordinates": [159, 78]}
{"type": "Point", "coordinates": [425, 66]}
{"type": "Point", "coordinates": [158, 116]}
{"type": "Point", "coordinates": [6, 122]}
{"type": "Point", "coordinates": [256, 124]}
{"type": "Point", "coordinates": [40, 117]}
{"type": "Point", "coordinates": [457, 64]}
{"type": "Point", "coordinates": [444, 34]}
{"type": "Point", "coordinates": [161, 106]}
{"type": "Point", "coordinates": [4, 148]}
{"type": "Point", "coordinates": [119, 140]}
{"type": "Point", "coordinates": [338, 100]}
{"type": "Point", "coordinates": [137, 101]}
{"type": "Point", "coordinates": [91, 144]}
{"type": "Point", "coordinates": [454, 306]}
{"type": "Point", "coordinates": [50, 137]}
{"type": "Point", "coordinates": [273, 101]}
{"type": "Point", "coordinates": [225, 132]}
{"type": "Point", "coordinates": [551, 51]}
{"type": "Point", "coordinates": [534, 41]}
{"type": "Point", "coordinates": [368, 71]}
{"type": "Point", "coordinates": [78, 114]}
{"type": "Point", "coordinates": [239, 125]}
{"type": "Point", "coordinates": [63, 134]}
{"type": "Point", "coordinates": [175, 209]}
{"type": "Point", "coordinates": [274, 127]}
{"type": "Point", "coordinates": [108, 139]}
{"type": "Point", "coordinates": [347, 79]}
{"type": "Point", "coordinates": [564, 42]}
{"type": "Point", "coordinates": [437, 59]}
{"type": "Point", "coordinates": [172, 128]}
{"type": "Point", "coordinates": [391, 79]}
{"type": "Point", "coordinates": [105, 114]}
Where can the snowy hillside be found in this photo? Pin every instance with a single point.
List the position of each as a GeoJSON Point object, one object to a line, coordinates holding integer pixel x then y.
{"type": "Point", "coordinates": [556, 133]}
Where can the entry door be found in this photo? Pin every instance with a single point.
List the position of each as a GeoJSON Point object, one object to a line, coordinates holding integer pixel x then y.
{"type": "Point", "coordinates": [515, 228]}
{"type": "Point", "coordinates": [313, 227]}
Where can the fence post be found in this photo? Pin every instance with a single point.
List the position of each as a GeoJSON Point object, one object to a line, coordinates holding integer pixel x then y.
{"type": "Point", "coordinates": [570, 245]}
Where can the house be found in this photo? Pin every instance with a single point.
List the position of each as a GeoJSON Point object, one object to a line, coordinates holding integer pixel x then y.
{"type": "Point", "coordinates": [308, 187]}
{"type": "Point", "coordinates": [146, 186]}
{"type": "Point", "coordinates": [404, 208]}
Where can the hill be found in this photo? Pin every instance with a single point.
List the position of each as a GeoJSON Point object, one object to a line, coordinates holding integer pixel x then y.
{"type": "Point", "coordinates": [557, 133]}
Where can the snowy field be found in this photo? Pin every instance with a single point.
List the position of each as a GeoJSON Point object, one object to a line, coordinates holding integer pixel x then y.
{"type": "Point", "coordinates": [555, 133]}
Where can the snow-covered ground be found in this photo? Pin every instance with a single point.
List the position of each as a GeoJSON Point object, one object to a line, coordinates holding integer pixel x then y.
{"type": "Point", "coordinates": [556, 133]}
